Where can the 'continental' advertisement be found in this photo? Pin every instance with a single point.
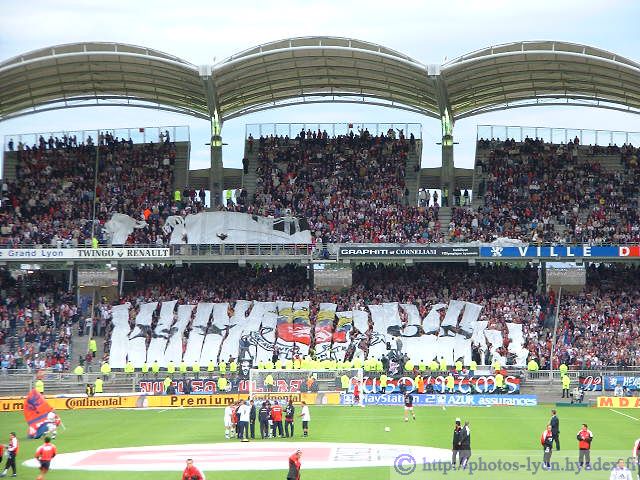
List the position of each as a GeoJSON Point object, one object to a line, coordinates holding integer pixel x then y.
{"type": "Point", "coordinates": [618, 402]}
{"type": "Point", "coordinates": [15, 404]}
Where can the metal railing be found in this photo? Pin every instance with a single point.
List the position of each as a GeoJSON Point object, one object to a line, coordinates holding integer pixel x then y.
{"type": "Point", "coordinates": [554, 375]}
{"type": "Point", "coordinates": [333, 129]}
{"type": "Point", "coordinates": [137, 135]}
{"type": "Point", "coordinates": [558, 135]}
{"type": "Point", "coordinates": [243, 250]}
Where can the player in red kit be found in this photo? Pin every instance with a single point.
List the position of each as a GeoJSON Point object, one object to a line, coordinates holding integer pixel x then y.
{"type": "Point", "coordinates": [408, 406]}
{"type": "Point", "coordinates": [191, 472]}
{"type": "Point", "coordinates": [356, 393]}
{"type": "Point", "coordinates": [45, 454]}
{"type": "Point", "coordinates": [294, 466]}
{"type": "Point", "coordinates": [546, 440]}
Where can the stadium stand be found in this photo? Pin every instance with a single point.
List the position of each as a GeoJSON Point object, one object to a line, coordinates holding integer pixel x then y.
{"type": "Point", "coordinates": [205, 312]}
{"type": "Point", "coordinates": [37, 318]}
{"type": "Point", "coordinates": [421, 304]}
{"type": "Point", "coordinates": [349, 188]}
{"type": "Point", "coordinates": [542, 192]}
{"type": "Point", "coordinates": [50, 202]}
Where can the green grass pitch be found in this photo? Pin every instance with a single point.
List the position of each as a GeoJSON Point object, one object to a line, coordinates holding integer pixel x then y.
{"type": "Point", "coordinates": [505, 433]}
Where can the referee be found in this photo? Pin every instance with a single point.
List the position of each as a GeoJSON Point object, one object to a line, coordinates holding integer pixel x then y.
{"type": "Point", "coordinates": [555, 428]}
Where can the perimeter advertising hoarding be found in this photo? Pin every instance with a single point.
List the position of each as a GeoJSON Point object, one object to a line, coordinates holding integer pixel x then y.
{"type": "Point", "coordinates": [89, 254]}
{"type": "Point", "coordinates": [566, 252]}
{"type": "Point", "coordinates": [355, 251]}
{"type": "Point", "coordinates": [427, 400]}
{"type": "Point", "coordinates": [618, 402]}
{"type": "Point", "coordinates": [82, 402]}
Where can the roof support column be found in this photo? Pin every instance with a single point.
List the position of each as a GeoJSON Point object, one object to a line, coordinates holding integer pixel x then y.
{"type": "Point", "coordinates": [216, 168]}
{"type": "Point", "coordinates": [447, 171]}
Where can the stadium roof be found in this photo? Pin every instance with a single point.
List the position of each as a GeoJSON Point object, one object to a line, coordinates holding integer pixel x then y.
{"type": "Point", "coordinates": [318, 69]}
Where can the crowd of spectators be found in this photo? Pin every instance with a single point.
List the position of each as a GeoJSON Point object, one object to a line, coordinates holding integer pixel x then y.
{"type": "Point", "coordinates": [37, 316]}
{"type": "Point", "coordinates": [51, 201]}
{"type": "Point", "coordinates": [541, 192]}
{"type": "Point", "coordinates": [600, 326]}
{"type": "Point", "coordinates": [596, 327]}
{"type": "Point", "coordinates": [349, 188]}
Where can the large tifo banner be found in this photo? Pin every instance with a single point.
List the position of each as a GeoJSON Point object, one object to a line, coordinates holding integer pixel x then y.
{"type": "Point", "coordinates": [560, 251]}
{"type": "Point", "coordinates": [445, 400]}
{"type": "Point", "coordinates": [609, 382]}
{"type": "Point", "coordinates": [208, 228]}
{"type": "Point", "coordinates": [251, 331]}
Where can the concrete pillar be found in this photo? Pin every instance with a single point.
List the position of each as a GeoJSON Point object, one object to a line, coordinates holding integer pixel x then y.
{"type": "Point", "coordinates": [448, 171]}
{"type": "Point", "coordinates": [216, 169]}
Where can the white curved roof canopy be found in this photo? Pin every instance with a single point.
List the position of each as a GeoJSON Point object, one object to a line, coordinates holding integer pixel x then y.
{"type": "Point", "coordinates": [318, 69]}
{"type": "Point", "coordinates": [303, 70]}
{"type": "Point", "coordinates": [540, 73]}
{"type": "Point", "coordinates": [89, 74]}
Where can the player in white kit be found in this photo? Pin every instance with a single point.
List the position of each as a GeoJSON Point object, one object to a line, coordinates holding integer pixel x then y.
{"type": "Point", "coordinates": [228, 425]}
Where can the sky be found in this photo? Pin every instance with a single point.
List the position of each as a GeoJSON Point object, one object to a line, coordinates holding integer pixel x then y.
{"type": "Point", "coordinates": [206, 32]}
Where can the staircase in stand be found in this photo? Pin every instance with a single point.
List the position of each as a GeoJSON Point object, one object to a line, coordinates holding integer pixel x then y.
{"type": "Point", "coordinates": [412, 177]}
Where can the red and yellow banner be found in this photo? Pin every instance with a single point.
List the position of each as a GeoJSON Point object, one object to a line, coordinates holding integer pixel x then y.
{"type": "Point", "coordinates": [16, 404]}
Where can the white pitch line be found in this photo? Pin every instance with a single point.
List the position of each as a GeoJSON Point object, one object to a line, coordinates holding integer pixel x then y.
{"type": "Point", "coordinates": [163, 410]}
{"type": "Point", "coordinates": [628, 416]}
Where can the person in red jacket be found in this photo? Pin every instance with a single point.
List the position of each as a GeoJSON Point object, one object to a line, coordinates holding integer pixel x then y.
{"type": "Point", "coordinates": [546, 440]}
{"type": "Point", "coordinates": [276, 419]}
{"type": "Point", "coordinates": [191, 472]}
{"type": "Point", "coordinates": [356, 394]}
{"type": "Point", "coordinates": [584, 445]}
{"type": "Point", "coordinates": [45, 454]}
{"type": "Point", "coordinates": [294, 466]}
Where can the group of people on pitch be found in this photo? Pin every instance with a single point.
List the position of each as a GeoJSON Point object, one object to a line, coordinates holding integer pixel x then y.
{"type": "Point", "coordinates": [551, 435]}
{"type": "Point", "coordinates": [44, 455]}
{"type": "Point", "coordinates": [584, 436]}
{"type": "Point", "coordinates": [461, 448]}
{"type": "Point", "coordinates": [240, 419]}
{"type": "Point", "coordinates": [191, 472]}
